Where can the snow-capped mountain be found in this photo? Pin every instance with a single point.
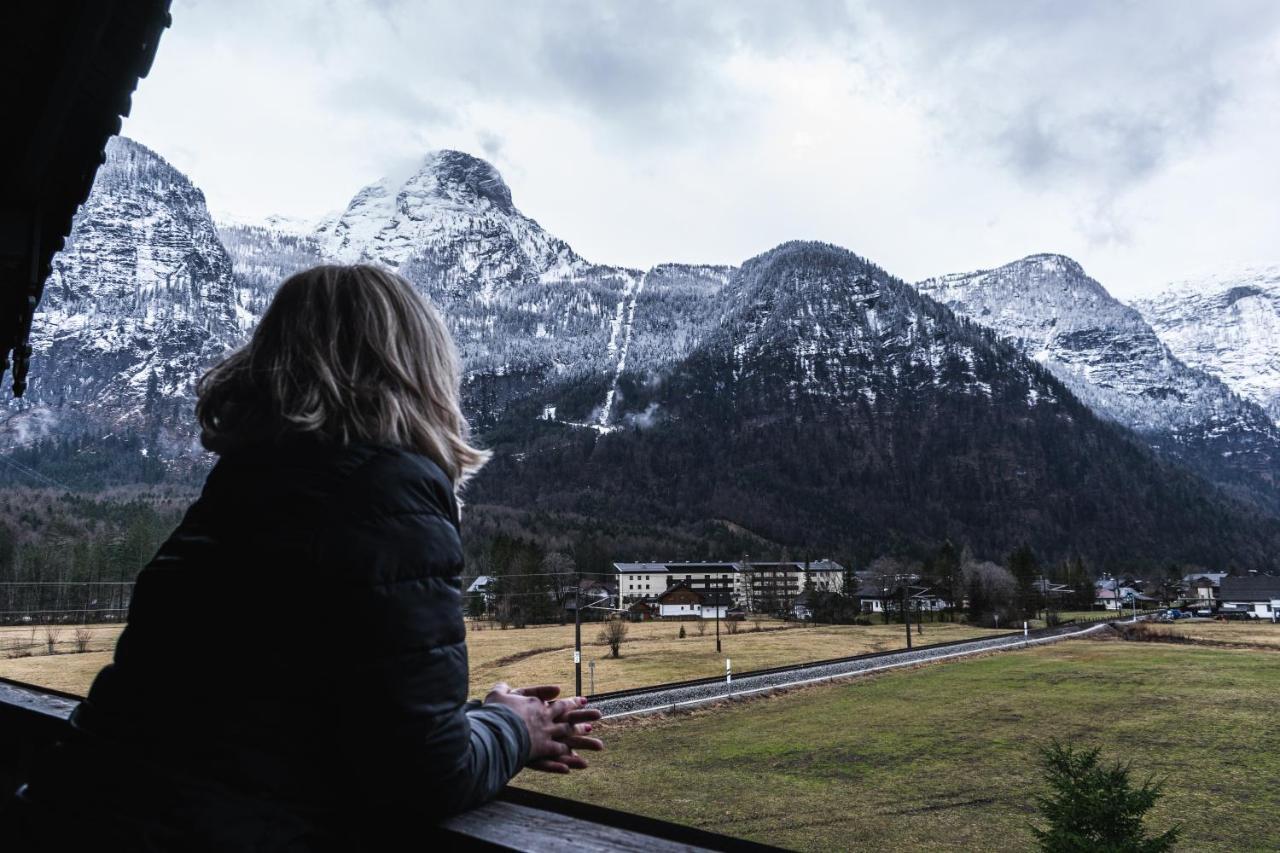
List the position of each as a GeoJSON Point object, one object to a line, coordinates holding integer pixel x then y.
{"type": "Point", "coordinates": [139, 302]}
{"type": "Point", "coordinates": [265, 254]}
{"type": "Point", "coordinates": [1226, 325]}
{"type": "Point", "coordinates": [831, 404]}
{"type": "Point", "coordinates": [848, 331]}
{"type": "Point", "coordinates": [524, 308]}
{"type": "Point", "coordinates": [1108, 355]}
{"type": "Point", "coordinates": [808, 393]}
{"type": "Point", "coordinates": [454, 221]}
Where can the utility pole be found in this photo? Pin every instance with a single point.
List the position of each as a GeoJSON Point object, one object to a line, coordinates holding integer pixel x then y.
{"type": "Point", "coordinates": [577, 638]}
{"type": "Point", "coordinates": [906, 615]}
{"type": "Point", "coordinates": [717, 606]}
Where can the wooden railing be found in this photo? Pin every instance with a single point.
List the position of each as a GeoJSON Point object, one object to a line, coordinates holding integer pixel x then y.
{"type": "Point", "coordinates": [31, 718]}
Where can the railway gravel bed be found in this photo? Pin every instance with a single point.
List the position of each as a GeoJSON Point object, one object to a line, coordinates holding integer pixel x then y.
{"type": "Point", "coordinates": [662, 698]}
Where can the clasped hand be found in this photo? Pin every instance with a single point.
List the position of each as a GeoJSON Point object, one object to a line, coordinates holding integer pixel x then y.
{"type": "Point", "coordinates": [556, 727]}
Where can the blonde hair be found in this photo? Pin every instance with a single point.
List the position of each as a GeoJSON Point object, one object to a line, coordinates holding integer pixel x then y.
{"type": "Point", "coordinates": [344, 353]}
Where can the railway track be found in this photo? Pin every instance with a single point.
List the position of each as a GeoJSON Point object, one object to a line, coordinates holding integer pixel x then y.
{"type": "Point", "coordinates": [684, 694]}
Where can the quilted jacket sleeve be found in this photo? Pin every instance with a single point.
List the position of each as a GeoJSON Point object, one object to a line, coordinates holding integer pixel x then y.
{"type": "Point", "coordinates": [413, 742]}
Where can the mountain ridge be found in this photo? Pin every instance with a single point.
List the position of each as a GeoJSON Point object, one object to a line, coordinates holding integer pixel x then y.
{"type": "Point", "coordinates": [803, 376]}
{"type": "Point", "coordinates": [1110, 357]}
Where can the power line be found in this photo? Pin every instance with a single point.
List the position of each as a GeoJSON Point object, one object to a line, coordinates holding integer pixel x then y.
{"type": "Point", "coordinates": [67, 583]}
{"type": "Point", "coordinates": [22, 469]}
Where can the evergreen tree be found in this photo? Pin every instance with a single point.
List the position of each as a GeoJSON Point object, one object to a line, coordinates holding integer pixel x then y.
{"type": "Point", "coordinates": [1025, 569]}
{"type": "Point", "coordinates": [978, 600]}
{"type": "Point", "coordinates": [1093, 809]}
{"type": "Point", "coordinates": [950, 581]}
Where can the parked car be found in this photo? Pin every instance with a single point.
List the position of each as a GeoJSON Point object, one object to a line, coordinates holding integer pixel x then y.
{"type": "Point", "coordinates": [1235, 615]}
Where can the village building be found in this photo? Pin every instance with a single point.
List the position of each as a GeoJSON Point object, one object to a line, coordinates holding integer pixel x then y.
{"type": "Point", "coordinates": [1108, 597]}
{"type": "Point", "coordinates": [1257, 596]}
{"type": "Point", "coordinates": [1202, 587]}
{"type": "Point", "coordinates": [684, 602]}
{"type": "Point", "coordinates": [758, 586]}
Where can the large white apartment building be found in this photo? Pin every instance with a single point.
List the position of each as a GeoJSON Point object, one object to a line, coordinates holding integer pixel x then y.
{"type": "Point", "coordinates": [751, 584]}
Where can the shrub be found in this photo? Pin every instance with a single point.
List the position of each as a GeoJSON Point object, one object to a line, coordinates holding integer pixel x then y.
{"type": "Point", "coordinates": [1093, 809]}
{"type": "Point", "coordinates": [702, 627]}
{"type": "Point", "coordinates": [733, 626]}
{"type": "Point", "coordinates": [1145, 632]}
{"type": "Point", "coordinates": [612, 633]}
{"type": "Point", "coordinates": [50, 639]}
{"type": "Point", "coordinates": [682, 633]}
{"type": "Point", "coordinates": [83, 636]}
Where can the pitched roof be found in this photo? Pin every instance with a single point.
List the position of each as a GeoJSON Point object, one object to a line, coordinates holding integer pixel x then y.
{"type": "Point", "coordinates": [681, 587]}
{"type": "Point", "coordinates": [1255, 588]}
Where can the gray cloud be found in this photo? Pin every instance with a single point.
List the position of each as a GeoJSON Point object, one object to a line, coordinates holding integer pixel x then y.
{"type": "Point", "coordinates": [932, 136]}
{"type": "Point", "coordinates": [391, 97]}
{"type": "Point", "coordinates": [1085, 91]}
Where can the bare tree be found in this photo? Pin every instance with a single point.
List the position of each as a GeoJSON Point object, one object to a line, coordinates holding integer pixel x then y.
{"type": "Point", "coordinates": [886, 572]}
{"type": "Point", "coordinates": [560, 570]}
{"type": "Point", "coordinates": [747, 572]}
{"type": "Point", "coordinates": [702, 627]}
{"type": "Point", "coordinates": [612, 633]}
{"type": "Point", "coordinates": [50, 639]}
{"type": "Point", "coordinates": [83, 636]}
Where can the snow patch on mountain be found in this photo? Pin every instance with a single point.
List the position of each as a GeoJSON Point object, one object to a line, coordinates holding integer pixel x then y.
{"type": "Point", "coordinates": [1099, 347]}
{"type": "Point", "coordinates": [139, 302]}
{"type": "Point", "coordinates": [1228, 325]}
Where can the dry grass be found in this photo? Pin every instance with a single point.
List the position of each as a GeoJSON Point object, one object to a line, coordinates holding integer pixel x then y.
{"type": "Point", "coordinates": [99, 638]}
{"type": "Point", "coordinates": [79, 652]}
{"type": "Point", "coordinates": [70, 673]}
{"type": "Point", "coordinates": [651, 654]}
{"type": "Point", "coordinates": [1252, 633]}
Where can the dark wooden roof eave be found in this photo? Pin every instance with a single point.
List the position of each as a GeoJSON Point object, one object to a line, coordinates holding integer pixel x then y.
{"type": "Point", "coordinates": [69, 69]}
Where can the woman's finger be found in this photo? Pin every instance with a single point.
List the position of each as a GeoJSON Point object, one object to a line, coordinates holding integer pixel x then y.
{"type": "Point", "coordinates": [579, 742]}
{"type": "Point", "coordinates": [585, 715]}
{"type": "Point", "coordinates": [545, 692]}
{"type": "Point", "coordinates": [555, 748]}
{"type": "Point", "coordinates": [546, 765]}
{"type": "Point", "coordinates": [565, 706]}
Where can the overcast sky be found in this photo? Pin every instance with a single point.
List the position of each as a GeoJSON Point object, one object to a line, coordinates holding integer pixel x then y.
{"type": "Point", "coordinates": [1139, 138]}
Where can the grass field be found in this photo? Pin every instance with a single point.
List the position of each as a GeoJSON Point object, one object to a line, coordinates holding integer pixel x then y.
{"type": "Point", "coordinates": [652, 653]}
{"type": "Point", "coordinates": [943, 757]}
{"type": "Point", "coordinates": [1251, 633]}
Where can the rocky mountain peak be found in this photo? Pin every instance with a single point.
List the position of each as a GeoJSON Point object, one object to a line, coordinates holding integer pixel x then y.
{"type": "Point", "coordinates": [463, 179]}
{"type": "Point", "coordinates": [1227, 325]}
{"type": "Point", "coordinates": [453, 225]}
{"type": "Point", "coordinates": [139, 302]}
{"type": "Point", "coordinates": [1112, 359]}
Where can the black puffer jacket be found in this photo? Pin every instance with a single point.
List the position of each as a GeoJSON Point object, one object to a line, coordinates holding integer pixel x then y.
{"type": "Point", "coordinates": [294, 672]}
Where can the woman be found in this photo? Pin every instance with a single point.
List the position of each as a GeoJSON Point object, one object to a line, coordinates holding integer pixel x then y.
{"type": "Point", "coordinates": [293, 675]}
